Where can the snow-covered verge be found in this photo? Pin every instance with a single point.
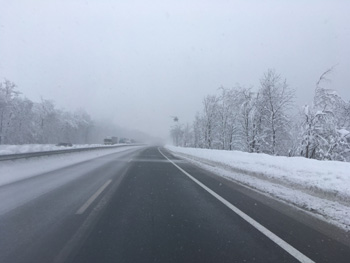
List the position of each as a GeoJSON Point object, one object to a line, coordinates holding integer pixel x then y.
{"type": "Point", "coordinates": [11, 171]}
{"type": "Point", "coordinates": [28, 148]}
{"type": "Point", "coordinates": [320, 187]}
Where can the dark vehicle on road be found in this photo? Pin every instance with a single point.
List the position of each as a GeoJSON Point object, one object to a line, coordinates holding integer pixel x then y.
{"type": "Point", "coordinates": [64, 144]}
{"type": "Point", "coordinates": [124, 140]}
{"type": "Point", "coordinates": [110, 140]}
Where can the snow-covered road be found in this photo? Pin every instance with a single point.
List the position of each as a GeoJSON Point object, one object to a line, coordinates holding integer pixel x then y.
{"type": "Point", "coordinates": [41, 196]}
{"type": "Point", "coordinates": [88, 206]}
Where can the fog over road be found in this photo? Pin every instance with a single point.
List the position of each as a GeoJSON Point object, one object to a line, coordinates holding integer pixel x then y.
{"type": "Point", "coordinates": [144, 205]}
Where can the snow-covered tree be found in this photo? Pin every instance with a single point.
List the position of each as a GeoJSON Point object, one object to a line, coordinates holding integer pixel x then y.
{"type": "Point", "coordinates": [21, 129]}
{"type": "Point", "coordinates": [84, 125]}
{"type": "Point", "coordinates": [276, 99]}
{"type": "Point", "coordinates": [247, 110]}
{"type": "Point", "coordinates": [233, 121]}
{"type": "Point", "coordinates": [224, 112]}
{"type": "Point", "coordinates": [8, 95]}
{"type": "Point", "coordinates": [324, 134]}
{"type": "Point", "coordinates": [177, 133]}
{"type": "Point", "coordinates": [23, 121]}
{"type": "Point", "coordinates": [47, 121]}
{"type": "Point", "coordinates": [210, 115]}
{"type": "Point", "coordinates": [262, 121]}
{"type": "Point", "coordinates": [187, 139]}
{"type": "Point", "coordinates": [198, 132]}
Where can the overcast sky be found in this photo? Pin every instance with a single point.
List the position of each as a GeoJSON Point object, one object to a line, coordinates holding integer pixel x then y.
{"type": "Point", "coordinates": [139, 62]}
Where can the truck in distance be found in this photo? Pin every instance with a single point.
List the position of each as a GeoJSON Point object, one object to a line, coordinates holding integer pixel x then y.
{"type": "Point", "coordinates": [110, 140]}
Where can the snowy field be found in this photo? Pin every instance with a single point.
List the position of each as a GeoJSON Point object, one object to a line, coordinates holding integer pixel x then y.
{"type": "Point", "coordinates": [27, 148]}
{"type": "Point", "coordinates": [11, 171]}
{"type": "Point", "coordinates": [320, 187]}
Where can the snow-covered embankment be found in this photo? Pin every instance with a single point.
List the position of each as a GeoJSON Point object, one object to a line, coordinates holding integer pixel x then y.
{"type": "Point", "coordinates": [320, 187]}
{"type": "Point", "coordinates": [29, 148]}
{"type": "Point", "coordinates": [12, 171]}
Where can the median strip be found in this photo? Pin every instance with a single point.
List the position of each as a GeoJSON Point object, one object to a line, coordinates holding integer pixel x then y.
{"type": "Point", "coordinates": [277, 240]}
{"type": "Point", "coordinates": [85, 206]}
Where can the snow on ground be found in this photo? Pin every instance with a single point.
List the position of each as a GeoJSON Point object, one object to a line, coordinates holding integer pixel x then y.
{"type": "Point", "coordinates": [320, 187]}
{"type": "Point", "coordinates": [27, 148]}
{"type": "Point", "coordinates": [15, 170]}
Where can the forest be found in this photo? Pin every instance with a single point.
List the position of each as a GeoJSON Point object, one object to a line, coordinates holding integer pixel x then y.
{"type": "Point", "coordinates": [269, 121]}
{"type": "Point", "coordinates": [23, 121]}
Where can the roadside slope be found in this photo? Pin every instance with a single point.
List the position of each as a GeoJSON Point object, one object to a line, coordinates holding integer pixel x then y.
{"type": "Point", "coordinates": [15, 170]}
{"type": "Point", "coordinates": [319, 187]}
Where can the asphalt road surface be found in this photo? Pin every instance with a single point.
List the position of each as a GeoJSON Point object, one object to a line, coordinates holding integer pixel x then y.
{"type": "Point", "coordinates": [145, 205]}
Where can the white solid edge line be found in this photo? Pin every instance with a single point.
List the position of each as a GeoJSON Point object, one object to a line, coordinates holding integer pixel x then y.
{"type": "Point", "coordinates": [85, 206]}
{"type": "Point", "coordinates": [280, 242]}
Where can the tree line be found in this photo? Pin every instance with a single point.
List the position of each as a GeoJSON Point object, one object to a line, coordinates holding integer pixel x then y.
{"type": "Point", "coordinates": [266, 121]}
{"type": "Point", "coordinates": [24, 121]}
